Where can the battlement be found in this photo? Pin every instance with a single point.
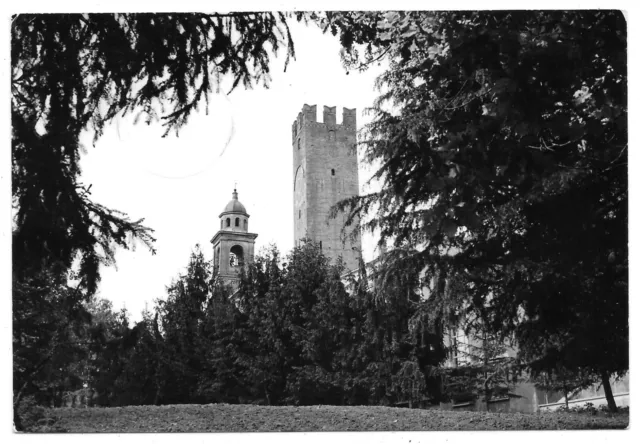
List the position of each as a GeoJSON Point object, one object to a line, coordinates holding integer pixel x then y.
{"type": "Point", "coordinates": [349, 117]}
{"type": "Point", "coordinates": [309, 115]}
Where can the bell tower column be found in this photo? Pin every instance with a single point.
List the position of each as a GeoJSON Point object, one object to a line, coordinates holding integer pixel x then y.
{"type": "Point", "coordinates": [233, 245]}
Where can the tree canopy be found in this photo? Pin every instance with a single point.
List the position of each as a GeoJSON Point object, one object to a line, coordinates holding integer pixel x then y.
{"type": "Point", "coordinates": [75, 72]}
{"type": "Point", "coordinates": [501, 140]}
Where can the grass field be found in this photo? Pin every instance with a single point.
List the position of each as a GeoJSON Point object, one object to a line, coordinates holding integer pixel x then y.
{"type": "Point", "coordinates": [250, 418]}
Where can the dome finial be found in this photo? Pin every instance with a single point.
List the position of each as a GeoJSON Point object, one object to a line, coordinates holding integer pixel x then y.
{"type": "Point", "coordinates": [235, 193]}
{"type": "Point", "coordinates": [234, 205]}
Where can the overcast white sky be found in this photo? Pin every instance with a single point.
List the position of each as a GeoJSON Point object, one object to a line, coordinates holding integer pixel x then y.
{"type": "Point", "coordinates": [181, 184]}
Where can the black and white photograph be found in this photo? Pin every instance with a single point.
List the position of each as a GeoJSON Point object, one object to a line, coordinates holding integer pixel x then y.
{"type": "Point", "coordinates": [307, 219]}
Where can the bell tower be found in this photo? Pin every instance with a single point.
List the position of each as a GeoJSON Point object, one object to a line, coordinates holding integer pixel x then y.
{"type": "Point", "coordinates": [233, 245]}
{"type": "Point", "coordinates": [325, 171]}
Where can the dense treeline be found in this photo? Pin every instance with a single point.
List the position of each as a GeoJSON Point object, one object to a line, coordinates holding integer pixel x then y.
{"type": "Point", "coordinates": [297, 332]}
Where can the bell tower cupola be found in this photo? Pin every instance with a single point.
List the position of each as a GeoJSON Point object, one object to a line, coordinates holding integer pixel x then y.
{"type": "Point", "coordinates": [233, 245]}
{"type": "Point", "coordinates": [234, 217]}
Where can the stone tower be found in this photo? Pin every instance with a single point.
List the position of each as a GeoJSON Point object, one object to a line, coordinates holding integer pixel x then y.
{"type": "Point", "coordinates": [233, 245]}
{"type": "Point", "coordinates": [325, 171]}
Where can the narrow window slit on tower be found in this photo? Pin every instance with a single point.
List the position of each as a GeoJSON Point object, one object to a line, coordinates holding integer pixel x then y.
{"type": "Point", "coordinates": [228, 222]}
{"type": "Point", "coordinates": [333, 172]}
{"type": "Point", "coordinates": [237, 221]}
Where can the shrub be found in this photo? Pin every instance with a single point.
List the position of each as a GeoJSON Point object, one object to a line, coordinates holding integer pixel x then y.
{"type": "Point", "coordinates": [33, 418]}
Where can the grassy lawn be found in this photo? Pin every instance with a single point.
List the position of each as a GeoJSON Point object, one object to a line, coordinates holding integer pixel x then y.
{"type": "Point", "coordinates": [250, 418]}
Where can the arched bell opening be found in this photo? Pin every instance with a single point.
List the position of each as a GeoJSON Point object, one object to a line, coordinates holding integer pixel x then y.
{"type": "Point", "coordinates": [236, 256]}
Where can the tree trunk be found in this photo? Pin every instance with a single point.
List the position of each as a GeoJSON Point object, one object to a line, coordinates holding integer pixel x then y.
{"type": "Point", "coordinates": [16, 404]}
{"type": "Point", "coordinates": [611, 402]}
{"type": "Point", "coordinates": [565, 390]}
{"type": "Point", "coordinates": [266, 393]}
{"type": "Point", "coordinates": [487, 390]}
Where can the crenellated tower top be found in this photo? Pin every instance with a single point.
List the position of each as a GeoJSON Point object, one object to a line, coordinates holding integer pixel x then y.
{"type": "Point", "coordinates": [308, 116]}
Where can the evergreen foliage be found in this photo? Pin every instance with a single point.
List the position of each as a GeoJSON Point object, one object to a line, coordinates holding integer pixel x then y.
{"type": "Point", "coordinates": [73, 73]}
{"type": "Point", "coordinates": [49, 329]}
{"type": "Point", "coordinates": [301, 337]}
{"type": "Point", "coordinates": [564, 381]}
{"type": "Point", "coordinates": [501, 145]}
{"type": "Point", "coordinates": [288, 334]}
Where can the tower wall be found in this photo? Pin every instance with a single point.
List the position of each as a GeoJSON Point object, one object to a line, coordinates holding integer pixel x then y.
{"type": "Point", "coordinates": [231, 237]}
{"type": "Point", "coordinates": [325, 171]}
{"type": "Point", "coordinates": [222, 242]}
